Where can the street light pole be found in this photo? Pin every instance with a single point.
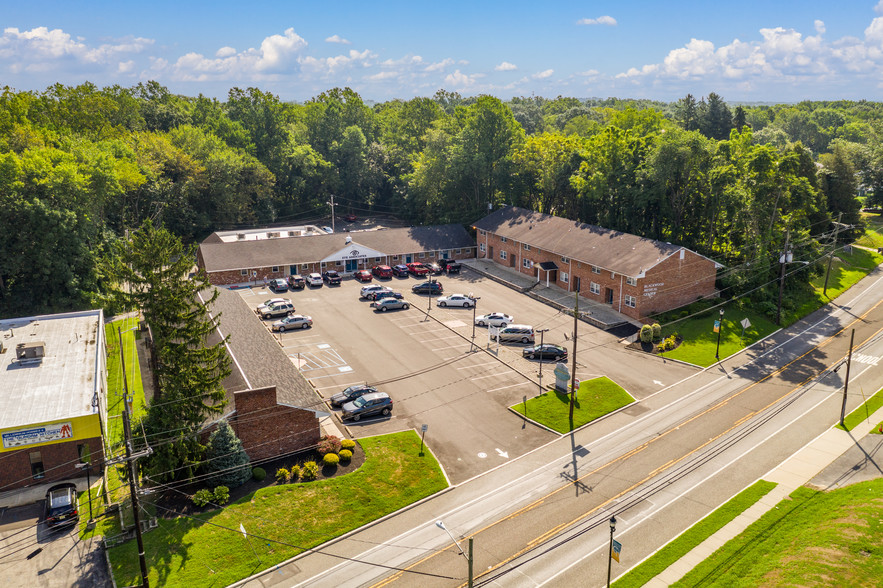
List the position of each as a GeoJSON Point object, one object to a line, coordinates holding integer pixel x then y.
{"type": "Point", "coordinates": [610, 552]}
{"type": "Point", "coordinates": [441, 525]}
{"type": "Point", "coordinates": [475, 300]}
{"type": "Point", "coordinates": [720, 327]}
{"type": "Point", "coordinates": [331, 202]}
{"type": "Point", "coordinates": [846, 383]}
{"type": "Point", "coordinates": [88, 467]}
{"type": "Point", "coordinates": [541, 332]}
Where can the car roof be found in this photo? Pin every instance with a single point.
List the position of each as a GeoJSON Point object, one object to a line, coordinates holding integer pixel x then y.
{"type": "Point", "coordinates": [375, 395]}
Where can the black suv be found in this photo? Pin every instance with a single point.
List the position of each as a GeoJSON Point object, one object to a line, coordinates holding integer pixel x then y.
{"type": "Point", "coordinates": [61, 505]}
{"type": "Point", "coordinates": [331, 277]}
{"type": "Point", "coordinates": [351, 393]}
{"type": "Point", "coordinates": [427, 288]}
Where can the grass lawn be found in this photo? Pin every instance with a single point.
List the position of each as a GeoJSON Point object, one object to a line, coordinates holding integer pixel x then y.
{"type": "Point", "coordinates": [209, 550]}
{"type": "Point", "coordinates": [117, 490]}
{"type": "Point", "coordinates": [813, 538]}
{"type": "Point", "coordinates": [693, 536]}
{"type": "Point", "coordinates": [594, 399]}
{"type": "Point", "coordinates": [700, 341]}
{"type": "Point", "coordinates": [861, 414]}
{"type": "Point", "coordinates": [873, 236]}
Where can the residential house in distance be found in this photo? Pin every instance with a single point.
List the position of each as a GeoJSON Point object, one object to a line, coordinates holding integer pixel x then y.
{"type": "Point", "coordinates": [635, 276]}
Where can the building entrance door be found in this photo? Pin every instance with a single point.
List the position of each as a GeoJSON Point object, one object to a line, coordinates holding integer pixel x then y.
{"type": "Point", "coordinates": [351, 265]}
{"type": "Point", "coordinates": [609, 296]}
{"type": "Point", "coordinates": [490, 253]}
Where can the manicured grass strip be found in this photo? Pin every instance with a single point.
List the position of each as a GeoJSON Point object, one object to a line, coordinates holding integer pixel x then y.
{"type": "Point", "coordinates": [190, 553]}
{"type": "Point", "coordinates": [815, 538]}
{"type": "Point", "coordinates": [700, 341]}
{"type": "Point", "coordinates": [873, 236]}
{"type": "Point", "coordinates": [860, 414]}
{"type": "Point", "coordinates": [594, 399]}
{"type": "Point", "coordinates": [695, 535]}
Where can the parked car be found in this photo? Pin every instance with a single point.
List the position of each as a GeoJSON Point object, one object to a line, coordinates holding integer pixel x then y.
{"type": "Point", "coordinates": [61, 505]}
{"type": "Point", "coordinates": [331, 277]}
{"type": "Point", "coordinates": [351, 218]}
{"type": "Point", "coordinates": [417, 269]}
{"type": "Point", "coordinates": [545, 351]}
{"type": "Point", "coordinates": [385, 304]}
{"type": "Point", "coordinates": [277, 309]}
{"type": "Point", "coordinates": [522, 333]}
{"type": "Point", "coordinates": [296, 282]}
{"type": "Point", "coordinates": [382, 271]}
{"type": "Point", "coordinates": [314, 279]}
{"type": "Point", "coordinates": [262, 306]}
{"type": "Point", "coordinates": [328, 229]}
{"type": "Point", "coordinates": [456, 300]}
{"type": "Point", "coordinates": [295, 321]}
{"type": "Point", "coordinates": [363, 275]}
{"type": "Point", "coordinates": [435, 268]}
{"type": "Point", "coordinates": [494, 319]}
{"type": "Point", "coordinates": [350, 394]}
{"type": "Point", "coordinates": [278, 285]}
{"type": "Point", "coordinates": [400, 271]}
{"type": "Point", "coordinates": [450, 265]}
{"type": "Point", "coordinates": [427, 288]}
{"type": "Point", "coordinates": [368, 405]}
{"type": "Point", "coordinates": [381, 294]}
{"type": "Point", "coordinates": [368, 291]}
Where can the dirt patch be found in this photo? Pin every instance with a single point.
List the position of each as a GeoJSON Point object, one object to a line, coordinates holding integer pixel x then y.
{"type": "Point", "coordinates": [179, 501]}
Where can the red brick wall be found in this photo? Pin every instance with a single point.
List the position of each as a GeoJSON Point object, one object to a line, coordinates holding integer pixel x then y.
{"type": "Point", "coordinates": [676, 282]}
{"type": "Point", "coordinates": [59, 461]}
{"type": "Point", "coordinates": [268, 429]}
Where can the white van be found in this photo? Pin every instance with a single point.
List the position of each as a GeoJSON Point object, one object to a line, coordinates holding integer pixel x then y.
{"type": "Point", "coordinates": [518, 333]}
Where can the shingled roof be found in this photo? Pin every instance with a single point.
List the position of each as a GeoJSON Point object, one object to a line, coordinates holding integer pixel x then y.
{"type": "Point", "coordinates": [219, 256]}
{"type": "Point", "coordinates": [622, 253]}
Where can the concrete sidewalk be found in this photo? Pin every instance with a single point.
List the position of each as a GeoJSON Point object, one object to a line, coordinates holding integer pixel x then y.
{"type": "Point", "coordinates": [831, 458]}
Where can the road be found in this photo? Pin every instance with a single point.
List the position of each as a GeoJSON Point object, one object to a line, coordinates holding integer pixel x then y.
{"type": "Point", "coordinates": [659, 467]}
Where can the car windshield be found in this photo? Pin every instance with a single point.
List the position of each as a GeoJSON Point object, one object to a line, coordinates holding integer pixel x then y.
{"type": "Point", "coordinates": [360, 402]}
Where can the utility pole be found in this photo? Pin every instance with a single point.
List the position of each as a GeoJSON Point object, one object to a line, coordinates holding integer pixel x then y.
{"type": "Point", "coordinates": [331, 202]}
{"type": "Point", "coordinates": [573, 362]}
{"type": "Point", "coordinates": [783, 260]}
{"type": "Point", "coordinates": [130, 463]}
{"type": "Point", "coordinates": [541, 332]}
{"type": "Point", "coordinates": [831, 254]}
{"type": "Point", "coordinates": [846, 384]}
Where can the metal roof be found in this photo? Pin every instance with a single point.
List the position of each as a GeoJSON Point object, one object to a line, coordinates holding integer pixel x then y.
{"type": "Point", "coordinates": [61, 386]}
{"type": "Point", "coordinates": [220, 256]}
{"type": "Point", "coordinates": [622, 253]}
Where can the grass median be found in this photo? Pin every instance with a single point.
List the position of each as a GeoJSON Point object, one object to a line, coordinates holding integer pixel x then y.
{"type": "Point", "coordinates": [284, 520]}
{"type": "Point", "coordinates": [812, 538]}
{"type": "Point", "coordinates": [594, 399]}
{"type": "Point", "coordinates": [863, 413]}
{"type": "Point", "coordinates": [702, 530]}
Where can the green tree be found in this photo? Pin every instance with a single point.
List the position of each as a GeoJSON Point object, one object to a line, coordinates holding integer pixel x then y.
{"type": "Point", "coordinates": [226, 458]}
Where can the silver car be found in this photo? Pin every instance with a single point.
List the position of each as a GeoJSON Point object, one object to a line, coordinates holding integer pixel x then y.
{"type": "Point", "coordinates": [385, 304]}
{"type": "Point", "coordinates": [494, 319]}
{"type": "Point", "coordinates": [295, 321]}
{"type": "Point", "coordinates": [456, 300]}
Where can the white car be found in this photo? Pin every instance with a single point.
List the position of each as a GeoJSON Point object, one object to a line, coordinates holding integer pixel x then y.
{"type": "Point", "coordinates": [295, 321]}
{"type": "Point", "coordinates": [328, 229]}
{"type": "Point", "coordinates": [314, 280]}
{"type": "Point", "coordinates": [494, 319]}
{"type": "Point", "coordinates": [271, 302]}
{"type": "Point", "coordinates": [456, 300]}
{"type": "Point", "coordinates": [366, 291]}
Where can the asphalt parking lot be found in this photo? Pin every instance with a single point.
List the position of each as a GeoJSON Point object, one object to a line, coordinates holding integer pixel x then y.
{"type": "Point", "coordinates": [34, 555]}
{"type": "Point", "coordinates": [436, 376]}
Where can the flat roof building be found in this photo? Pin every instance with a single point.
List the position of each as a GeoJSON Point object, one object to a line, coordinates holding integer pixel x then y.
{"type": "Point", "coordinates": [53, 396]}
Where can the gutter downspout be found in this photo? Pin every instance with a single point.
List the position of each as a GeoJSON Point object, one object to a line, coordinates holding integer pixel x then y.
{"type": "Point", "coordinates": [621, 277]}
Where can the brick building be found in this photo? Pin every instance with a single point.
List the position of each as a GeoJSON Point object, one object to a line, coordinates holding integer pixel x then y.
{"type": "Point", "coordinates": [53, 397]}
{"type": "Point", "coordinates": [635, 276]}
{"type": "Point", "coordinates": [240, 258]}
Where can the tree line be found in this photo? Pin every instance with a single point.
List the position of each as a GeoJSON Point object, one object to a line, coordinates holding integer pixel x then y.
{"type": "Point", "coordinates": [80, 166]}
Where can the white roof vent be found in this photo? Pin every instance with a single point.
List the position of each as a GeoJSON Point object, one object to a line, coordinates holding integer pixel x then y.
{"type": "Point", "coordinates": [348, 240]}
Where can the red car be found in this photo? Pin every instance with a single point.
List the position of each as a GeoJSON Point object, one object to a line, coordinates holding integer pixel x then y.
{"type": "Point", "coordinates": [417, 269]}
{"type": "Point", "coordinates": [350, 218]}
{"type": "Point", "coordinates": [363, 275]}
{"type": "Point", "coordinates": [382, 271]}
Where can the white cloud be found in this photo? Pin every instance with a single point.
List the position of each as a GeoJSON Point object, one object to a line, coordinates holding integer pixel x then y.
{"type": "Point", "coordinates": [879, 7]}
{"type": "Point", "coordinates": [601, 20]}
{"type": "Point", "coordinates": [506, 66]}
{"type": "Point", "coordinates": [43, 49]}
{"type": "Point", "coordinates": [225, 52]}
{"type": "Point", "coordinates": [819, 26]}
{"type": "Point", "coordinates": [439, 65]}
{"type": "Point", "coordinates": [543, 74]}
{"type": "Point", "coordinates": [337, 39]}
{"type": "Point", "coordinates": [383, 75]}
{"type": "Point", "coordinates": [458, 80]}
{"type": "Point", "coordinates": [125, 66]}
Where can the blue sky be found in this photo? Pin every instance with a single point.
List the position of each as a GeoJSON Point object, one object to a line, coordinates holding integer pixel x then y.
{"type": "Point", "coordinates": [752, 51]}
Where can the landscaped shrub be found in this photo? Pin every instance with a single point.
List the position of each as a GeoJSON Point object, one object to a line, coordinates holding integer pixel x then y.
{"type": "Point", "coordinates": [225, 455]}
{"type": "Point", "coordinates": [282, 475]}
{"type": "Point", "coordinates": [221, 495]}
{"type": "Point", "coordinates": [345, 455]}
{"type": "Point", "coordinates": [646, 334]}
{"type": "Point", "coordinates": [203, 497]}
{"type": "Point", "coordinates": [328, 444]}
{"type": "Point", "coordinates": [330, 459]}
{"type": "Point", "coordinates": [294, 473]}
{"type": "Point", "coordinates": [309, 471]}
{"type": "Point", "coordinates": [668, 343]}
{"type": "Point", "coordinates": [657, 331]}
{"type": "Point", "coordinates": [259, 474]}
{"type": "Point", "coordinates": [348, 444]}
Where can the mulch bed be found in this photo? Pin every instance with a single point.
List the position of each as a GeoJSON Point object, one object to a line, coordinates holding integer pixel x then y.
{"type": "Point", "coordinates": [649, 347]}
{"type": "Point", "coordinates": [179, 501]}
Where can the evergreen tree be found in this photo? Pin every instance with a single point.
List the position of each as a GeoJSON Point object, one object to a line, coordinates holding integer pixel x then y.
{"type": "Point", "coordinates": [716, 120]}
{"type": "Point", "coordinates": [739, 119]}
{"type": "Point", "coordinates": [224, 454]}
{"type": "Point", "coordinates": [687, 113]}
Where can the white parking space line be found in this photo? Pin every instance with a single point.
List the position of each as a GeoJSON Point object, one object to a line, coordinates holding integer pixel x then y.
{"type": "Point", "coordinates": [454, 324]}
{"type": "Point", "coordinates": [439, 338]}
{"type": "Point", "coordinates": [432, 330]}
{"type": "Point", "coordinates": [512, 386]}
{"type": "Point", "coordinates": [341, 386]}
{"type": "Point", "coordinates": [466, 367]}
{"type": "Point", "coordinates": [493, 375]}
{"type": "Point", "coordinates": [448, 347]}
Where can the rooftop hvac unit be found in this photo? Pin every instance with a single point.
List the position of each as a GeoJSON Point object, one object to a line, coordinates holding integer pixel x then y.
{"type": "Point", "coordinates": [272, 235]}
{"type": "Point", "coordinates": [292, 233]}
{"type": "Point", "coordinates": [30, 352]}
{"type": "Point", "coordinates": [240, 236]}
